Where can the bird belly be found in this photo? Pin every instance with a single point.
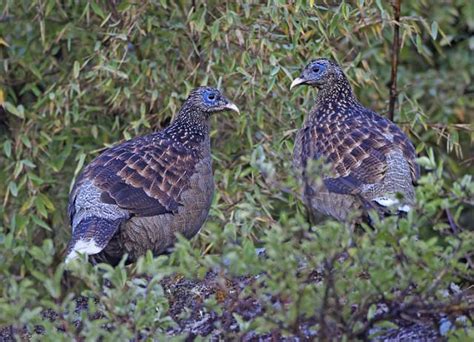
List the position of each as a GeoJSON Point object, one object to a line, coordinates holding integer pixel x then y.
{"type": "Point", "coordinates": [341, 207]}
{"type": "Point", "coordinates": [158, 233]}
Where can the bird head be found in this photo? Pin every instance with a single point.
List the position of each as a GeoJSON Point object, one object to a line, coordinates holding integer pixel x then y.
{"type": "Point", "coordinates": [210, 100]}
{"type": "Point", "coordinates": [319, 73]}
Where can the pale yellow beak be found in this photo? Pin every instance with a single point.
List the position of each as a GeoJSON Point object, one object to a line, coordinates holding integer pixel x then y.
{"type": "Point", "coordinates": [296, 82]}
{"type": "Point", "coordinates": [233, 107]}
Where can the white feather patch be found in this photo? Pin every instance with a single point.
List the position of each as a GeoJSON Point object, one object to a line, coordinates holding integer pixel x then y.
{"type": "Point", "coordinates": [386, 201]}
{"type": "Point", "coordinates": [83, 247]}
{"type": "Point", "coordinates": [406, 208]}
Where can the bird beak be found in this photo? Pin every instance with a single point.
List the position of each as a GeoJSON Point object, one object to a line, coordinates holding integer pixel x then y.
{"type": "Point", "coordinates": [233, 107]}
{"type": "Point", "coordinates": [296, 82]}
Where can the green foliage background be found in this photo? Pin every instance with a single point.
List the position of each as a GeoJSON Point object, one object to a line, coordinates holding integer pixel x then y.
{"type": "Point", "coordinates": [78, 76]}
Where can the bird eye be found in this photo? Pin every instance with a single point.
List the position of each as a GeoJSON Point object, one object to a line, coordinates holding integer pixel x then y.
{"type": "Point", "coordinates": [316, 69]}
{"type": "Point", "coordinates": [211, 98]}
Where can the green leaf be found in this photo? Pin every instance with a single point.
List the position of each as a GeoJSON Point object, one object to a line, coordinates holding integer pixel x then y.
{"type": "Point", "coordinates": [41, 223]}
{"type": "Point", "coordinates": [434, 30]}
{"type": "Point", "coordinates": [97, 10]}
{"type": "Point", "coordinates": [80, 163]}
{"type": "Point", "coordinates": [372, 311]}
{"type": "Point", "coordinates": [419, 44]}
{"type": "Point", "coordinates": [12, 187]}
{"type": "Point", "coordinates": [18, 111]}
{"type": "Point", "coordinates": [7, 148]}
{"type": "Point", "coordinates": [76, 68]}
{"type": "Point", "coordinates": [380, 6]}
{"type": "Point", "coordinates": [25, 140]}
{"type": "Point", "coordinates": [28, 163]}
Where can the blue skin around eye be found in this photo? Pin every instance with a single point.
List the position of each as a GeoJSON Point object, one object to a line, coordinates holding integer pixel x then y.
{"type": "Point", "coordinates": [321, 67]}
{"type": "Point", "coordinates": [209, 101]}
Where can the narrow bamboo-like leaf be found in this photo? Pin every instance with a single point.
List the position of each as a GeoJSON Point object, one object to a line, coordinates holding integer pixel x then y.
{"type": "Point", "coordinates": [76, 68]}
{"type": "Point", "coordinates": [97, 10]}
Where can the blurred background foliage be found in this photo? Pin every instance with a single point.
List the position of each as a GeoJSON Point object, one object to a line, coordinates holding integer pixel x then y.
{"type": "Point", "coordinates": [79, 76]}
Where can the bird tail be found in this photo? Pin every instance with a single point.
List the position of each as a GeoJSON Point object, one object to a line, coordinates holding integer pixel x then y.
{"type": "Point", "coordinates": [383, 208]}
{"type": "Point", "coordinates": [91, 235]}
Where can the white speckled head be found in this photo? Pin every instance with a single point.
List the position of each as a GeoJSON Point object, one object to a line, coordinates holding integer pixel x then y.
{"type": "Point", "coordinates": [209, 100]}
{"type": "Point", "coordinates": [319, 73]}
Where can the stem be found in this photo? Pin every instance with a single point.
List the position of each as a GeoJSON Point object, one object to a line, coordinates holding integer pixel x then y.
{"type": "Point", "coordinates": [395, 52]}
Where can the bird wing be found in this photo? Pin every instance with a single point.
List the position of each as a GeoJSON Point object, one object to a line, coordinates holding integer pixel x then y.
{"type": "Point", "coordinates": [145, 176]}
{"type": "Point", "coordinates": [357, 149]}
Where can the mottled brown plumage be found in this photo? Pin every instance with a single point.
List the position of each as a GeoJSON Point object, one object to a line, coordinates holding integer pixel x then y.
{"type": "Point", "coordinates": [145, 176]}
{"type": "Point", "coordinates": [373, 163]}
{"type": "Point", "coordinates": [137, 195]}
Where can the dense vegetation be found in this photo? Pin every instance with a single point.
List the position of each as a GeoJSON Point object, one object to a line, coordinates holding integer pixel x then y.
{"type": "Point", "coordinates": [78, 76]}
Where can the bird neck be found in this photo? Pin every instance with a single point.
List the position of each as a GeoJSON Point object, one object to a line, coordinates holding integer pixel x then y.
{"type": "Point", "coordinates": [191, 127]}
{"type": "Point", "coordinates": [333, 100]}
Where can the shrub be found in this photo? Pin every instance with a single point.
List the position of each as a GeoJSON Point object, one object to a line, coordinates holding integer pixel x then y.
{"type": "Point", "coordinates": [80, 76]}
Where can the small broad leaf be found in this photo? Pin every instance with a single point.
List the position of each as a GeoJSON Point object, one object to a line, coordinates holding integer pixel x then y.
{"type": "Point", "coordinates": [7, 148]}
{"type": "Point", "coordinates": [372, 311]}
{"type": "Point", "coordinates": [18, 111]}
{"type": "Point", "coordinates": [13, 188]}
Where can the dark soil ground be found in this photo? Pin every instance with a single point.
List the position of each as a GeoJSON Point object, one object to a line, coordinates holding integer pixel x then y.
{"type": "Point", "coordinates": [187, 308]}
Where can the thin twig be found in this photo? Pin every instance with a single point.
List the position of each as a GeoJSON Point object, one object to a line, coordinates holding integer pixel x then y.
{"type": "Point", "coordinates": [395, 52]}
{"type": "Point", "coordinates": [451, 221]}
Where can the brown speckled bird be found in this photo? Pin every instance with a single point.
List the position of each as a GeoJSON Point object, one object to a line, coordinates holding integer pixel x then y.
{"type": "Point", "coordinates": [137, 195]}
{"type": "Point", "coordinates": [372, 161]}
